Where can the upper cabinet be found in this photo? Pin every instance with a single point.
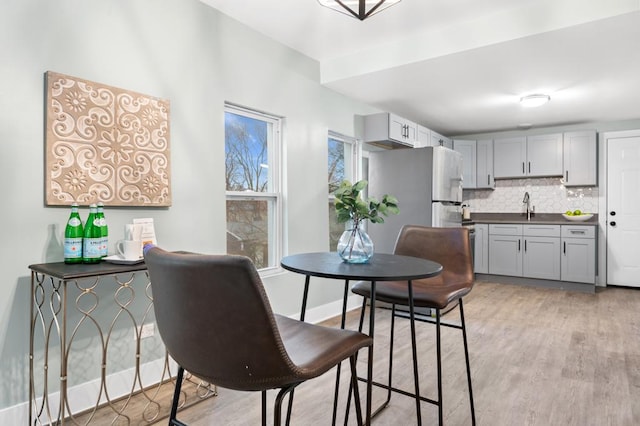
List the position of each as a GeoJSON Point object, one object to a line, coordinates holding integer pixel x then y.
{"type": "Point", "coordinates": [484, 164]}
{"type": "Point", "coordinates": [510, 156]}
{"type": "Point", "coordinates": [468, 150]}
{"type": "Point", "coordinates": [531, 156]}
{"type": "Point", "coordinates": [580, 158]}
{"type": "Point", "coordinates": [477, 163]}
{"type": "Point", "coordinates": [439, 140]}
{"type": "Point", "coordinates": [389, 130]}
{"type": "Point", "coordinates": [424, 137]}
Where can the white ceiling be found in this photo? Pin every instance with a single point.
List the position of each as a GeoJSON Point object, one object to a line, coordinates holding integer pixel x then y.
{"type": "Point", "coordinates": [460, 66]}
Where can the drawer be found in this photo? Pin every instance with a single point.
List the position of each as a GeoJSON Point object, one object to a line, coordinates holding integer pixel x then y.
{"type": "Point", "coordinates": [505, 229]}
{"type": "Point", "coordinates": [541, 230]}
{"type": "Point", "coordinates": [577, 231]}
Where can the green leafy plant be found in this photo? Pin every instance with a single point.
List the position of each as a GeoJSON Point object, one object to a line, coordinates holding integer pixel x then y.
{"type": "Point", "coordinates": [351, 206]}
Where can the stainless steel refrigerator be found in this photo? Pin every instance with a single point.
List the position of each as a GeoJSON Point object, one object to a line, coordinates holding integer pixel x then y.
{"type": "Point", "coordinates": [427, 183]}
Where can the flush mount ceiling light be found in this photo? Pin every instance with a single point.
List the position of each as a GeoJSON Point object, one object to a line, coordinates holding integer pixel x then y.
{"type": "Point", "coordinates": [531, 101]}
{"type": "Point", "coordinates": [360, 9]}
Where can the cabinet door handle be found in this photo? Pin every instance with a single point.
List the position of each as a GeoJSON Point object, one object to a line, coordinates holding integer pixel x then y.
{"type": "Point", "coordinates": [529, 166]}
{"type": "Point", "coordinates": [574, 231]}
{"type": "Point", "coordinates": [523, 167]}
{"type": "Point", "coordinates": [564, 247]}
{"type": "Point", "coordinates": [525, 246]}
{"type": "Point", "coordinates": [518, 245]}
{"type": "Point", "coordinates": [566, 176]}
{"type": "Point", "coordinates": [488, 179]}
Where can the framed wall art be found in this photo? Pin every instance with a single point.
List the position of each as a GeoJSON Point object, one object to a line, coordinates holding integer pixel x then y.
{"type": "Point", "coordinates": [105, 144]}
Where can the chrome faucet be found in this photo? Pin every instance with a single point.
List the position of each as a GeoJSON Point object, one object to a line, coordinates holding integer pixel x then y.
{"type": "Point", "coordinates": [527, 201]}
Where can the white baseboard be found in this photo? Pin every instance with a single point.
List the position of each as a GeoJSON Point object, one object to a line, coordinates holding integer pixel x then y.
{"type": "Point", "coordinates": [82, 397]}
{"type": "Point", "coordinates": [329, 310]}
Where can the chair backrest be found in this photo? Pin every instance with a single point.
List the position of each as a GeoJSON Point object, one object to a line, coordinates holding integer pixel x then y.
{"type": "Point", "coordinates": [450, 247]}
{"type": "Point", "coordinates": [215, 319]}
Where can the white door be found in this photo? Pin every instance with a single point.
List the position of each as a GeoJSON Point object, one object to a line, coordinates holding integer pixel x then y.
{"type": "Point", "coordinates": [623, 211]}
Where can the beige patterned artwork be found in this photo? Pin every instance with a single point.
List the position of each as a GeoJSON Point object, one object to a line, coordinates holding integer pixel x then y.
{"type": "Point", "coordinates": [105, 144]}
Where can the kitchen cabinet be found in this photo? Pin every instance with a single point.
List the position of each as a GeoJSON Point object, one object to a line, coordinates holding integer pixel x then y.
{"type": "Point", "coordinates": [541, 255]}
{"type": "Point", "coordinates": [468, 150]}
{"type": "Point", "coordinates": [438, 140]}
{"type": "Point", "coordinates": [477, 163]}
{"type": "Point", "coordinates": [544, 155]}
{"type": "Point", "coordinates": [578, 260]}
{"type": "Point", "coordinates": [510, 155]}
{"type": "Point", "coordinates": [481, 249]}
{"type": "Point", "coordinates": [580, 158]}
{"type": "Point", "coordinates": [505, 249]}
{"type": "Point", "coordinates": [530, 156]}
{"type": "Point", "coordinates": [423, 137]}
{"type": "Point", "coordinates": [484, 164]}
{"type": "Point", "coordinates": [386, 129]}
{"type": "Point", "coordinates": [531, 251]}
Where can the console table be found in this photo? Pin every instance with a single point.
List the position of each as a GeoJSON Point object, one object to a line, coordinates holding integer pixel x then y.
{"type": "Point", "coordinates": [88, 329]}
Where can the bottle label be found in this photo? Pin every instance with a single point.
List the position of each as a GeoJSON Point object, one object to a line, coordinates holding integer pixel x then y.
{"type": "Point", "coordinates": [104, 246]}
{"type": "Point", "coordinates": [97, 222]}
{"type": "Point", "coordinates": [92, 248]}
{"type": "Point", "coordinates": [73, 248]}
{"type": "Point", "coordinates": [74, 221]}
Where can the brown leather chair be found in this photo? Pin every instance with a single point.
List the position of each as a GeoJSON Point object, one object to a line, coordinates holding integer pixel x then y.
{"type": "Point", "coordinates": [451, 248]}
{"type": "Point", "coordinates": [216, 322]}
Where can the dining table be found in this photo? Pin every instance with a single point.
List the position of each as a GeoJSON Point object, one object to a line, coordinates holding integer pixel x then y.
{"type": "Point", "coordinates": [380, 267]}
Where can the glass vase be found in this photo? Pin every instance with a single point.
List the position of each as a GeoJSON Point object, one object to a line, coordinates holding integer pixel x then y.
{"type": "Point", "coordinates": [355, 245]}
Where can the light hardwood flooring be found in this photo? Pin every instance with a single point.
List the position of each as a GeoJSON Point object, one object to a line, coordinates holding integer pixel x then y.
{"type": "Point", "coordinates": [538, 357]}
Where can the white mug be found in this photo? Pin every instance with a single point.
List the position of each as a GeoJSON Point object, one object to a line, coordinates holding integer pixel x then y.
{"type": "Point", "coordinates": [129, 249]}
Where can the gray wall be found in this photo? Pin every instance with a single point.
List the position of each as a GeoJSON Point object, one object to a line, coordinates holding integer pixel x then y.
{"type": "Point", "coordinates": [197, 58]}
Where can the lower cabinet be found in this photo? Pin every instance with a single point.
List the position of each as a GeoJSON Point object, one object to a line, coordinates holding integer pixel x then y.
{"type": "Point", "coordinates": [552, 252]}
{"type": "Point", "coordinates": [541, 258]}
{"type": "Point", "coordinates": [531, 251]}
{"type": "Point", "coordinates": [505, 255]}
{"type": "Point", "coordinates": [578, 254]}
{"type": "Point", "coordinates": [481, 249]}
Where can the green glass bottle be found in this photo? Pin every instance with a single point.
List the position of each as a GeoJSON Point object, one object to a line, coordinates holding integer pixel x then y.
{"type": "Point", "coordinates": [92, 237]}
{"type": "Point", "coordinates": [73, 234]}
{"type": "Point", "coordinates": [104, 231]}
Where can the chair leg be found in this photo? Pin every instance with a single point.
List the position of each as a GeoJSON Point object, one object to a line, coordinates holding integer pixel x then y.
{"type": "Point", "coordinates": [466, 356]}
{"type": "Point", "coordinates": [176, 399]}
{"type": "Point", "coordinates": [277, 412]}
{"type": "Point", "coordinates": [264, 408]}
{"type": "Point", "coordinates": [439, 367]}
{"type": "Point", "coordinates": [356, 392]}
{"type": "Point", "coordinates": [414, 350]}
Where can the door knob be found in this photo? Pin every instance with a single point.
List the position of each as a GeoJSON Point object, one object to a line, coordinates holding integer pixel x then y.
{"type": "Point", "coordinates": [613, 223]}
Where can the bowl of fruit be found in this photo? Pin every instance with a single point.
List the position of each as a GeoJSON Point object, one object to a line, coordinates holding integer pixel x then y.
{"type": "Point", "coordinates": [576, 216]}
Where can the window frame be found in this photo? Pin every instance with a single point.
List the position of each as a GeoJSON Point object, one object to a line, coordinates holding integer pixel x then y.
{"type": "Point", "coordinates": [275, 141]}
{"type": "Point", "coordinates": [355, 164]}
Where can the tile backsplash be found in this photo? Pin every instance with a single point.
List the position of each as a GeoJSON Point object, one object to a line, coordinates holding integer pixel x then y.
{"type": "Point", "coordinates": [548, 195]}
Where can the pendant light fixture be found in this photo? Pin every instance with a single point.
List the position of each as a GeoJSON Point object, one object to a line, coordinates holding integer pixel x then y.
{"type": "Point", "coordinates": [360, 9]}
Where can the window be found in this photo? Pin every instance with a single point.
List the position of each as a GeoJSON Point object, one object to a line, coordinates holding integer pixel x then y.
{"type": "Point", "coordinates": [252, 163]}
{"type": "Point", "coordinates": [343, 164]}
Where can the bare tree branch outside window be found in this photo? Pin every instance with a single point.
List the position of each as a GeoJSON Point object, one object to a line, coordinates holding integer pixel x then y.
{"type": "Point", "coordinates": [247, 170]}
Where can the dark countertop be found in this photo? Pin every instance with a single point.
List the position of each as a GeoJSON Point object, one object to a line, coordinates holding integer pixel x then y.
{"type": "Point", "coordinates": [521, 218]}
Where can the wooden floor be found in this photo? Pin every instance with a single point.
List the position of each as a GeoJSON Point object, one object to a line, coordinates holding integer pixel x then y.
{"type": "Point", "coordinates": [538, 357]}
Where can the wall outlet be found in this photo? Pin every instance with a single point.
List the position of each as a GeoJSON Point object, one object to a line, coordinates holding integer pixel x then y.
{"type": "Point", "coordinates": [146, 330]}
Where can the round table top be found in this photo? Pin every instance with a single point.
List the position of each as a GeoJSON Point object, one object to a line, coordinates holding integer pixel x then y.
{"type": "Point", "coordinates": [381, 267]}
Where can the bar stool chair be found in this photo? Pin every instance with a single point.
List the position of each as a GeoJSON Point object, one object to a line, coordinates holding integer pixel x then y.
{"type": "Point", "coordinates": [216, 322]}
{"type": "Point", "coordinates": [451, 248]}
